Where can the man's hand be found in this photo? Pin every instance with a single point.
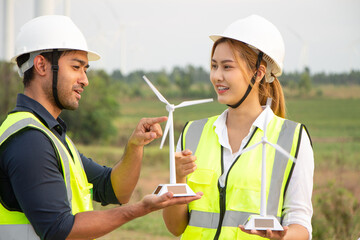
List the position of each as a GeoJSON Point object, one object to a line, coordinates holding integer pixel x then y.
{"type": "Point", "coordinates": [152, 202]}
{"type": "Point", "coordinates": [146, 131]}
{"type": "Point", "coordinates": [273, 235]}
{"type": "Point", "coordinates": [94, 224]}
{"type": "Point", "coordinates": [185, 164]}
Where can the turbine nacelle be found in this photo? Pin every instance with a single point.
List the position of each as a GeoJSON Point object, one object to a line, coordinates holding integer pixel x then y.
{"type": "Point", "coordinates": [170, 107]}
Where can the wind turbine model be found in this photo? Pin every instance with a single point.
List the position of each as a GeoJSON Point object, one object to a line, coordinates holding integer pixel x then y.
{"type": "Point", "coordinates": [179, 189]}
{"type": "Point", "coordinates": [264, 221]}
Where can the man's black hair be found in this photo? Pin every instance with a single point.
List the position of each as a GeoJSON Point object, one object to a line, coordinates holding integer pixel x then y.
{"type": "Point", "coordinates": [28, 75]}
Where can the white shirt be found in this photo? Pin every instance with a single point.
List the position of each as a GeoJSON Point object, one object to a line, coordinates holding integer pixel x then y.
{"type": "Point", "coordinates": [297, 202]}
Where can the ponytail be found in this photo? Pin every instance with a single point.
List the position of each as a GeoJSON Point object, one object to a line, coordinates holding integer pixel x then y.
{"type": "Point", "coordinates": [274, 91]}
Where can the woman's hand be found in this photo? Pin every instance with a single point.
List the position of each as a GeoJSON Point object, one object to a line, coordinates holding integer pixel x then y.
{"type": "Point", "coordinates": [185, 164]}
{"type": "Point", "coordinates": [273, 235]}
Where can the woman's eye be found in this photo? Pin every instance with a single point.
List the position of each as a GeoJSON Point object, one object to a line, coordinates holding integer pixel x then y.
{"type": "Point", "coordinates": [213, 66]}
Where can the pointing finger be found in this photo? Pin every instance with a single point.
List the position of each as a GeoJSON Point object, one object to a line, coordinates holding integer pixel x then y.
{"type": "Point", "coordinates": [152, 121]}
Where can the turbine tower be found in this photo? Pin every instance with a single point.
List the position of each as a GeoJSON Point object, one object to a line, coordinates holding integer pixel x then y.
{"type": "Point", "coordinates": [67, 8]}
{"type": "Point", "coordinates": [8, 21]}
{"type": "Point", "coordinates": [44, 7]}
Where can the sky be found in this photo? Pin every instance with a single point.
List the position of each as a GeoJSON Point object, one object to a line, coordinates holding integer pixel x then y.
{"type": "Point", "coordinates": [154, 35]}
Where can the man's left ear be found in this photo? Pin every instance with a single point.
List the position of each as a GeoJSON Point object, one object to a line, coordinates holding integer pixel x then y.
{"type": "Point", "coordinates": [261, 73]}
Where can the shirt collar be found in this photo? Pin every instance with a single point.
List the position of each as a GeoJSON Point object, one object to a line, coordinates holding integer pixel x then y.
{"type": "Point", "coordinates": [221, 129]}
{"type": "Point", "coordinates": [264, 118]}
{"type": "Point", "coordinates": [220, 124]}
{"type": "Point", "coordinates": [27, 104]}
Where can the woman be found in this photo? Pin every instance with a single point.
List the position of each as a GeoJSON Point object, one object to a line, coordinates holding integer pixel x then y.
{"type": "Point", "coordinates": [245, 63]}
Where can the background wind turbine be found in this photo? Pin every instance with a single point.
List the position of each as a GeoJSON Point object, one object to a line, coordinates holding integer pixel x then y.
{"type": "Point", "coordinates": [177, 189]}
{"type": "Point", "coordinates": [304, 53]}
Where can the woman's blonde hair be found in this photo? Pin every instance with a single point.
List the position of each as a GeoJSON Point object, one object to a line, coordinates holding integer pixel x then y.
{"type": "Point", "coordinates": [243, 52]}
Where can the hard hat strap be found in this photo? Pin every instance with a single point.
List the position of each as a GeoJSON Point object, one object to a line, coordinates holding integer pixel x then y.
{"type": "Point", "coordinates": [252, 82]}
{"type": "Point", "coordinates": [55, 69]}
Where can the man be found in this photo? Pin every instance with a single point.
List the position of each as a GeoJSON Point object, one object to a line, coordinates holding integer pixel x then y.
{"type": "Point", "coordinates": [45, 184]}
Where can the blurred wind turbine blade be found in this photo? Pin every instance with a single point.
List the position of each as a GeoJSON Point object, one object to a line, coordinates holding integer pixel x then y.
{"type": "Point", "coordinates": [166, 130]}
{"type": "Point", "coordinates": [188, 103]}
{"type": "Point", "coordinates": [158, 94]}
{"type": "Point", "coordinates": [281, 150]}
{"type": "Point", "coordinates": [304, 52]}
{"type": "Point", "coordinates": [244, 150]}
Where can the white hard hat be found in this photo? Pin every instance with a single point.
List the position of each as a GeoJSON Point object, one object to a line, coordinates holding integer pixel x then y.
{"type": "Point", "coordinates": [259, 34]}
{"type": "Point", "coordinates": [42, 34]}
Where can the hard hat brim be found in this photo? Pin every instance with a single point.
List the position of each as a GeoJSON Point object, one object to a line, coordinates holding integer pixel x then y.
{"type": "Point", "coordinates": [92, 56]}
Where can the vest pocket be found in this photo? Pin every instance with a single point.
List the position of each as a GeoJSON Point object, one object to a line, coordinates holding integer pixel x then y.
{"type": "Point", "coordinates": [192, 233]}
{"type": "Point", "coordinates": [204, 180]}
{"type": "Point", "coordinates": [198, 233]}
{"type": "Point", "coordinates": [245, 199]}
{"type": "Point", "coordinates": [202, 176]}
{"type": "Point", "coordinates": [81, 194]}
{"type": "Point", "coordinates": [87, 196]}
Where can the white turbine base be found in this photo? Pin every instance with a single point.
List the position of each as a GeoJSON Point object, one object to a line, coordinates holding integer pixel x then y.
{"type": "Point", "coordinates": [178, 189]}
{"type": "Point", "coordinates": [258, 222]}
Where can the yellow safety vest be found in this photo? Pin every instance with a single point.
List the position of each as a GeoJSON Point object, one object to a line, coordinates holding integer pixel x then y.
{"type": "Point", "coordinates": [221, 209]}
{"type": "Point", "coordinates": [14, 224]}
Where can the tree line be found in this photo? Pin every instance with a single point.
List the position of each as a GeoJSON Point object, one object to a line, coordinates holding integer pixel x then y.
{"type": "Point", "coordinates": [101, 101]}
{"type": "Point", "coordinates": [349, 78]}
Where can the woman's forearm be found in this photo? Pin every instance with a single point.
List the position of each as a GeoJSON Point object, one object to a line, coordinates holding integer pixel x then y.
{"type": "Point", "coordinates": [176, 218]}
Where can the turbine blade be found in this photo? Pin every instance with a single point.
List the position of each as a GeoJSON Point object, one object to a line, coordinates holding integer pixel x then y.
{"type": "Point", "coordinates": [281, 150]}
{"type": "Point", "coordinates": [188, 103]}
{"type": "Point", "coordinates": [166, 130]}
{"type": "Point", "coordinates": [244, 150]}
{"type": "Point", "coordinates": [158, 94]}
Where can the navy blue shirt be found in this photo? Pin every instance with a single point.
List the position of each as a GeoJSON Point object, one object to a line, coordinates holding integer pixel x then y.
{"type": "Point", "coordinates": [31, 179]}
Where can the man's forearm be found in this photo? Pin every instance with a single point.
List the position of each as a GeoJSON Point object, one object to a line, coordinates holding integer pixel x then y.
{"type": "Point", "coordinates": [125, 174]}
{"type": "Point", "coordinates": [94, 224]}
{"type": "Point", "coordinates": [90, 225]}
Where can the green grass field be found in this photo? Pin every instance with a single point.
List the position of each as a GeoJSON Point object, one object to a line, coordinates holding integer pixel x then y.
{"type": "Point", "coordinates": [334, 126]}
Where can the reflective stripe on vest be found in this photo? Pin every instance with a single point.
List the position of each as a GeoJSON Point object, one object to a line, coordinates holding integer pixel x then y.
{"type": "Point", "coordinates": [287, 132]}
{"type": "Point", "coordinates": [211, 220]}
{"type": "Point", "coordinates": [14, 224]}
{"type": "Point", "coordinates": [17, 232]}
{"type": "Point", "coordinates": [193, 134]}
{"type": "Point", "coordinates": [202, 216]}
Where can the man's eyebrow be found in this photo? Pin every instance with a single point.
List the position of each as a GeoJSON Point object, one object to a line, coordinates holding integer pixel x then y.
{"type": "Point", "coordinates": [82, 62]}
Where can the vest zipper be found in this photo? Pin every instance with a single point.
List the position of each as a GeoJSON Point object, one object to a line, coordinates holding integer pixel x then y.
{"type": "Point", "coordinates": [222, 190]}
{"type": "Point", "coordinates": [222, 199]}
